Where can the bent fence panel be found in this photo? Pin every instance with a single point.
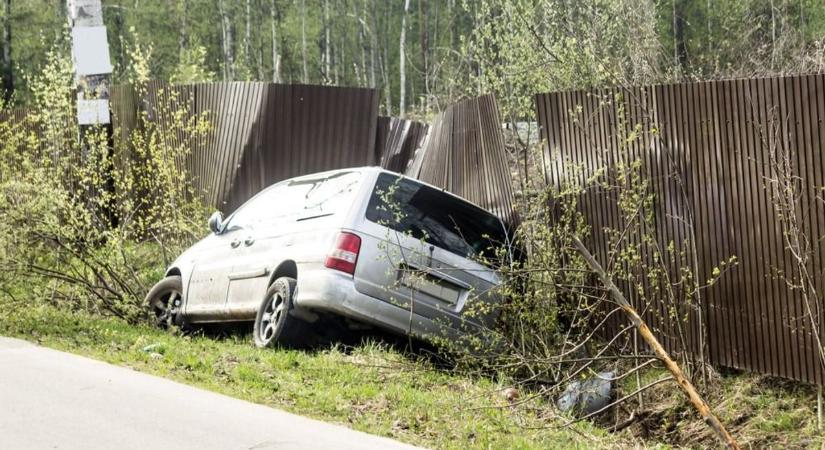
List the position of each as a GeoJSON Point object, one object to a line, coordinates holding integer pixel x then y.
{"type": "Point", "coordinates": [464, 153]}
{"type": "Point", "coordinates": [397, 141]}
{"type": "Point", "coordinates": [706, 151]}
{"type": "Point", "coordinates": [262, 133]}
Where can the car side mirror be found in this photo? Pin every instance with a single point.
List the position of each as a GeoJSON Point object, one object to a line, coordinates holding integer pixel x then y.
{"type": "Point", "coordinates": [216, 222]}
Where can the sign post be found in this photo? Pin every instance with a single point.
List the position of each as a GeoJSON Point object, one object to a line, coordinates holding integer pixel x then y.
{"type": "Point", "coordinates": [93, 69]}
{"type": "Point", "coordinates": [90, 53]}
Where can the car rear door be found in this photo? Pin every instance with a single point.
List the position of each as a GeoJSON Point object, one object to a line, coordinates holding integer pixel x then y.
{"type": "Point", "coordinates": [421, 250]}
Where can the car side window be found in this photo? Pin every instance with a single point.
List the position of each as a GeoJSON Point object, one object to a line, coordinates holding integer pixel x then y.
{"type": "Point", "coordinates": [250, 212]}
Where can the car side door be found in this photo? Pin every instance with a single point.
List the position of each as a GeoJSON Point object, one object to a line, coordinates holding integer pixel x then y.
{"type": "Point", "coordinates": [206, 294]}
{"type": "Point", "coordinates": [250, 272]}
{"type": "Point", "coordinates": [216, 267]}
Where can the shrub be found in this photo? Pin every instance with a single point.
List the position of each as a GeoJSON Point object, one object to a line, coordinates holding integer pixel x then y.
{"type": "Point", "coordinates": [88, 223]}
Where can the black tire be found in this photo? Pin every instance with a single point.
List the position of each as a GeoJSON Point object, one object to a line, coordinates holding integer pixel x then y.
{"type": "Point", "coordinates": [274, 325]}
{"type": "Point", "coordinates": [164, 302]}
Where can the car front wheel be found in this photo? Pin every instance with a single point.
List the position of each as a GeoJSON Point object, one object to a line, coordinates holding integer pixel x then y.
{"type": "Point", "coordinates": [164, 301]}
{"type": "Point", "coordinates": [274, 325]}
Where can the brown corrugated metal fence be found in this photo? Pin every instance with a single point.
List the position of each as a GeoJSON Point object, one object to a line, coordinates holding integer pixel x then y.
{"type": "Point", "coordinates": [717, 137]}
{"type": "Point", "coordinates": [396, 142]}
{"type": "Point", "coordinates": [261, 133]}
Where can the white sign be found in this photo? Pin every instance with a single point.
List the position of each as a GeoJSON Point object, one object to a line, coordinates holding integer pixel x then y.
{"type": "Point", "coordinates": [90, 51]}
{"type": "Point", "coordinates": [92, 112]}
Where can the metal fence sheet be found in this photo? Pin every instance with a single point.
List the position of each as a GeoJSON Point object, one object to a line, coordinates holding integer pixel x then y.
{"type": "Point", "coordinates": [262, 133]}
{"type": "Point", "coordinates": [717, 136]}
{"type": "Point", "coordinates": [464, 153]}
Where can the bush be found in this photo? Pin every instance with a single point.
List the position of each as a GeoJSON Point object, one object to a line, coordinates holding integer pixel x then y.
{"type": "Point", "coordinates": [88, 223]}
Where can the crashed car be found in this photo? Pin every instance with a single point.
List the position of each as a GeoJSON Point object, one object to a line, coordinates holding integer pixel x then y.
{"type": "Point", "coordinates": [361, 246]}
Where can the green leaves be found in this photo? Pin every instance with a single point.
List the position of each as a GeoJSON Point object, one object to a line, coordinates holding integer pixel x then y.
{"type": "Point", "coordinates": [86, 224]}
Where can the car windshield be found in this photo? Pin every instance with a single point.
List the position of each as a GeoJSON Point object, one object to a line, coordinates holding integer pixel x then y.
{"type": "Point", "coordinates": [298, 199]}
{"type": "Point", "coordinates": [435, 217]}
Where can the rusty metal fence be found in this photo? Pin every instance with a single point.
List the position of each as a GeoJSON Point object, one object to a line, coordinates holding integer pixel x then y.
{"type": "Point", "coordinates": [706, 151]}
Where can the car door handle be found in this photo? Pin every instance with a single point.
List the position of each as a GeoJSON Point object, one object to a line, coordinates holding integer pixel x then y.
{"type": "Point", "coordinates": [248, 241]}
{"type": "Point", "coordinates": [235, 243]}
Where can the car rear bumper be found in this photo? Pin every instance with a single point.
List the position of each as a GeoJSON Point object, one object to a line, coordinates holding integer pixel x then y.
{"type": "Point", "coordinates": [332, 291]}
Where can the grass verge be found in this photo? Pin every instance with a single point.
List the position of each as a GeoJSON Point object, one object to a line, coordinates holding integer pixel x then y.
{"type": "Point", "coordinates": [370, 388]}
{"type": "Point", "coordinates": [376, 389]}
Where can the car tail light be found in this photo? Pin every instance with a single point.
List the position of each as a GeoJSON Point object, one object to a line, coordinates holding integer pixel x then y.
{"type": "Point", "coordinates": [344, 255]}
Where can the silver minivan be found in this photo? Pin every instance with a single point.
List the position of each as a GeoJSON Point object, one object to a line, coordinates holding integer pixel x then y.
{"type": "Point", "coordinates": [362, 246]}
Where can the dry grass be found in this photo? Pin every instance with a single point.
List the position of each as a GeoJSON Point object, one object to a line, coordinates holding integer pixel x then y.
{"type": "Point", "coordinates": [760, 411]}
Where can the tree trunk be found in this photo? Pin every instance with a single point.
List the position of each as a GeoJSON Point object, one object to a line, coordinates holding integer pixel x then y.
{"type": "Point", "coordinates": [773, 35]}
{"type": "Point", "coordinates": [227, 43]}
{"type": "Point", "coordinates": [222, 13]}
{"type": "Point", "coordinates": [373, 42]}
{"type": "Point", "coordinates": [402, 78]}
{"type": "Point", "coordinates": [276, 57]}
{"type": "Point", "coordinates": [360, 69]}
{"type": "Point", "coordinates": [679, 47]}
{"type": "Point", "coordinates": [424, 31]}
{"type": "Point", "coordinates": [451, 17]}
{"type": "Point", "coordinates": [7, 65]}
{"type": "Point", "coordinates": [247, 39]}
{"type": "Point", "coordinates": [380, 57]}
{"type": "Point", "coordinates": [305, 77]}
{"type": "Point", "coordinates": [326, 56]}
{"type": "Point", "coordinates": [259, 57]}
{"type": "Point", "coordinates": [183, 37]}
{"type": "Point", "coordinates": [340, 60]}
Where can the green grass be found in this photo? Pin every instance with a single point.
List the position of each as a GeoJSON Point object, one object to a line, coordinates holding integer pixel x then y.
{"type": "Point", "coordinates": [370, 388]}
{"type": "Point", "coordinates": [376, 389]}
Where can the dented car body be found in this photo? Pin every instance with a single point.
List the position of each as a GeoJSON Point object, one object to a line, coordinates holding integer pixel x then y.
{"type": "Point", "coordinates": [363, 244]}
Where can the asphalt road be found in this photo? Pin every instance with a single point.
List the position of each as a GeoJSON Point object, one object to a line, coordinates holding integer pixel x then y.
{"type": "Point", "coordinates": [55, 400]}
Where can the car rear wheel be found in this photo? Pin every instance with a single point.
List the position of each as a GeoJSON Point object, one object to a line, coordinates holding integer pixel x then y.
{"type": "Point", "coordinates": [274, 325]}
{"type": "Point", "coordinates": [164, 301]}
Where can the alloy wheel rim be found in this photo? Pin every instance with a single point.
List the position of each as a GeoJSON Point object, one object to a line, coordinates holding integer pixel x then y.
{"type": "Point", "coordinates": [270, 318]}
{"type": "Point", "coordinates": [166, 307]}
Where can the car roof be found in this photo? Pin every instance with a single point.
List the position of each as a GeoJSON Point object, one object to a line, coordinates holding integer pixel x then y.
{"type": "Point", "coordinates": [374, 169]}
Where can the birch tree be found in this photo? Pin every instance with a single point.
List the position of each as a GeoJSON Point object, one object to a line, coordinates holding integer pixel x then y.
{"type": "Point", "coordinates": [227, 42]}
{"type": "Point", "coordinates": [276, 57]}
{"type": "Point", "coordinates": [305, 77]}
{"type": "Point", "coordinates": [247, 40]}
{"type": "Point", "coordinates": [325, 56]}
{"type": "Point", "coordinates": [7, 66]}
{"type": "Point", "coordinates": [183, 38]}
{"type": "Point", "coordinates": [402, 81]}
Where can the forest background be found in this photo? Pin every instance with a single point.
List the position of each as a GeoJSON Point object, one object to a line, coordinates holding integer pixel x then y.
{"type": "Point", "coordinates": [425, 54]}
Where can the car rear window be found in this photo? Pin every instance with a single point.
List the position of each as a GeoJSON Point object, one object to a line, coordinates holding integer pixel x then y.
{"type": "Point", "coordinates": [438, 218]}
